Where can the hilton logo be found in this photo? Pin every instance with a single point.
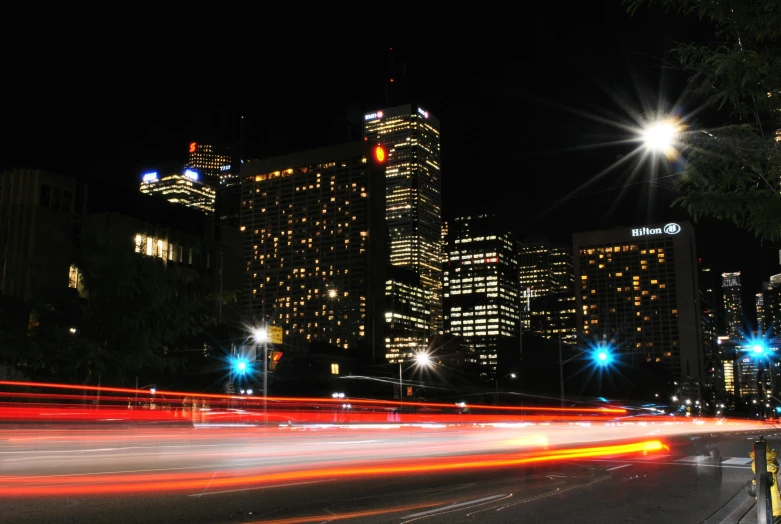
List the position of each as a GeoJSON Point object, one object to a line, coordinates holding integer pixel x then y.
{"type": "Point", "coordinates": [670, 229]}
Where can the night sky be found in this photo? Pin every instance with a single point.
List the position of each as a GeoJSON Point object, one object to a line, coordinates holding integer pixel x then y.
{"type": "Point", "coordinates": [516, 138]}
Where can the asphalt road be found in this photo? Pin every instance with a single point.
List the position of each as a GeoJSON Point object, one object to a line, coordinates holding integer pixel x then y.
{"type": "Point", "coordinates": [690, 482]}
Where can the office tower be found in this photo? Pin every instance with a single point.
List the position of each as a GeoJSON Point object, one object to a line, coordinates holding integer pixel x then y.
{"type": "Point", "coordinates": [733, 305]}
{"type": "Point", "coordinates": [316, 244]}
{"type": "Point", "coordinates": [481, 288]}
{"type": "Point", "coordinates": [39, 228]}
{"type": "Point", "coordinates": [637, 290]}
{"type": "Point", "coordinates": [546, 277]}
{"type": "Point", "coordinates": [413, 196]}
{"type": "Point", "coordinates": [186, 189]}
{"type": "Point", "coordinates": [212, 164]}
{"type": "Point", "coordinates": [714, 374]}
{"type": "Point", "coordinates": [406, 315]}
{"type": "Point", "coordinates": [760, 304]}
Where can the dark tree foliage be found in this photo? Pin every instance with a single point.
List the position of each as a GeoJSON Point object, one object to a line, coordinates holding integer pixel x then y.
{"type": "Point", "coordinates": [732, 173]}
{"type": "Point", "coordinates": [131, 318]}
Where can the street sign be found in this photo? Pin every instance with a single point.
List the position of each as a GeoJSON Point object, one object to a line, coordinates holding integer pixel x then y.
{"type": "Point", "coordinates": [275, 334]}
{"type": "Point", "coordinates": [230, 389]}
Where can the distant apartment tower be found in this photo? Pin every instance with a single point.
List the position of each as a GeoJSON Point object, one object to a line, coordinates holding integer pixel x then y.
{"type": "Point", "coordinates": [760, 304]}
{"type": "Point", "coordinates": [637, 290]}
{"type": "Point", "coordinates": [316, 244]}
{"type": "Point", "coordinates": [733, 304]}
{"type": "Point", "coordinates": [213, 165]}
{"type": "Point", "coordinates": [39, 227]}
{"type": "Point", "coordinates": [413, 194]}
{"type": "Point", "coordinates": [186, 189]}
{"type": "Point", "coordinates": [481, 288]}
{"type": "Point", "coordinates": [714, 376]}
{"type": "Point", "coordinates": [407, 315]}
{"type": "Point", "coordinates": [546, 279]}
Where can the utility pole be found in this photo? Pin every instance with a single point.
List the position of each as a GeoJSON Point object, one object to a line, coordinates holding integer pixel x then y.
{"type": "Point", "coordinates": [265, 373]}
{"type": "Point", "coordinates": [219, 315]}
{"type": "Point", "coordinates": [561, 371]}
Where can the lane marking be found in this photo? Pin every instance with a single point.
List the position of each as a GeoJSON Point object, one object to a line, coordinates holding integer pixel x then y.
{"type": "Point", "coordinates": [738, 460]}
{"type": "Point", "coordinates": [557, 491]}
{"type": "Point", "coordinates": [618, 467]}
{"type": "Point", "coordinates": [678, 464]}
{"type": "Point", "coordinates": [454, 506]}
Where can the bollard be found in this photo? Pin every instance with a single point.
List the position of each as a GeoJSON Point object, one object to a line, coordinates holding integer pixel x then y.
{"type": "Point", "coordinates": [763, 481]}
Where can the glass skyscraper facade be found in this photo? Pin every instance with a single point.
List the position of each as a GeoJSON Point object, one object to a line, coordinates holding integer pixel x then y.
{"type": "Point", "coordinates": [481, 288]}
{"type": "Point", "coordinates": [546, 276]}
{"type": "Point", "coordinates": [213, 166]}
{"type": "Point", "coordinates": [413, 195]}
{"type": "Point", "coordinates": [186, 189]}
{"type": "Point", "coordinates": [733, 305]}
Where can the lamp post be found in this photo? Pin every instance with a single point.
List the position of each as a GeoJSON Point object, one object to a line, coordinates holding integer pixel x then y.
{"type": "Point", "coordinates": [261, 336]}
{"type": "Point", "coordinates": [421, 359]}
{"type": "Point", "coordinates": [496, 381]}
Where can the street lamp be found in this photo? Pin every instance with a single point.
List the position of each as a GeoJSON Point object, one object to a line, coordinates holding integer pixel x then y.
{"type": "Point", "coordinates": [421, 359]}
{"type": "Point", "coordinates": [260, 334]}
{"type": "Point", "coordinates": [661, 135]}
{"type": "Point", "coordinates": [496, 382]}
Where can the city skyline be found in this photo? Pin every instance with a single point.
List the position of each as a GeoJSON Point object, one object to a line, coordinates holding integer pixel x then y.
{"type": "Point", "coordinates": [546, 90]}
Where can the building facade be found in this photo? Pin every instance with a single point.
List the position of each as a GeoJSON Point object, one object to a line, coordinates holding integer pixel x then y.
{"type": "Point", "coordinates": [186, 189]}
{"type": "Point", "coordinates": [546, 276]}
{"type": "Point", "coordinates": [733, 304]}
{"type": "Point", "coordinates": [413, 194]}
{"type": "Point", "coordinates": [637, 291]}
{"type": "Point", "coordinates": [40, 221]}
{"type": "Point", "coordinates": [407, 315]}
{"type": "Point", "coordinates": [211, 163]}
{"type": "Point", "coordinates": [481, 288]}
{"type": "Point", "coordinates": [316, 244]}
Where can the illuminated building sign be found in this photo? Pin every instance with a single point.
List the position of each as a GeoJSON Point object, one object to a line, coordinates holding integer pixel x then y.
{"type": "Point", "coordinates": [193, 145]}
{"type": "Point", "coordinates": [424, 113]}
{"type": "Point", "coordinates": [150, 177]}
{"type": "Point", "coordinates": [372, 116]}
{"type": "Point", "coordinates": [670, 229]}
{"type": "Point", "coordinates": [192, 175]}
{"type": "Point", "coordinates": [225, 168]}
{"type": "Point", "coordinates": [379, 154]}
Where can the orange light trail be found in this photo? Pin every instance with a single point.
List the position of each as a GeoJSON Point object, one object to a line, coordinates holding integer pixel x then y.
{"type": "Point", "coordinates": [74, 485]}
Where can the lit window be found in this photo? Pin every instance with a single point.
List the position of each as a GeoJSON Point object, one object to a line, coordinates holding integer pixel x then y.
{"type": "Point", "coordinates": [334, 369]}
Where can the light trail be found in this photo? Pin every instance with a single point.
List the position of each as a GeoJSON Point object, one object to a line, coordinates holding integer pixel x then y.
{"type": "Point", "coordinates": [101, 485]}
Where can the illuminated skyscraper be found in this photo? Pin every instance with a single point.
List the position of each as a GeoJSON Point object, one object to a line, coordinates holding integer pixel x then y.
{"type": "Point", "coordinates": [481, 288]}
{"type": "Point", "coordinates": [213, 166]}
{"type": "Point", "coordinates": [406, 315]}
{"type": "Point", "coordinates": [316, 244]}
{"type": "Point", "coordinates": [413, 196]}
{"type": "Point", "coordinates": [637, 290]}
{"type": "Point", "coordinates": [760, 302]}
{"type": "Point", "coordinates": [733, 305]}
{"type": "Point", "coordinates": [185, 189]}
{"type": "Point", "coordinates": [546, 277]}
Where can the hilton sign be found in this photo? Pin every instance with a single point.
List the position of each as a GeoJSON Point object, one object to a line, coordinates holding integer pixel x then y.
{"type": "Point", "coordinates": [670, 229]}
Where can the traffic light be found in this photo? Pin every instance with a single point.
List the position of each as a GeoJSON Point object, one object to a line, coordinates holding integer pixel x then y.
{"type": "Point", "coordinates": [274, 357]}
{"type": "Point", "coordinates": [241, 366]}
{"type": "Point", "coordinates": [603, 357]}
